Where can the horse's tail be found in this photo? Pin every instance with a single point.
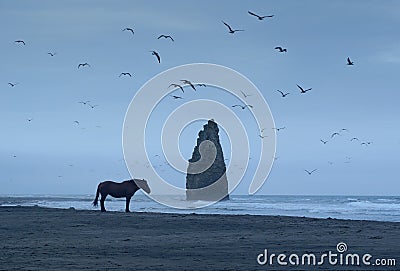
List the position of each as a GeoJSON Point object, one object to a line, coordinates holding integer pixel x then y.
{"type": "Point", "coordinates": [97, 195]}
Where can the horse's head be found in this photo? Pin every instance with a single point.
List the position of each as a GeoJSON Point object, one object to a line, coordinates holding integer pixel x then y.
{"type": "Point", "coordinates": [142, 184]}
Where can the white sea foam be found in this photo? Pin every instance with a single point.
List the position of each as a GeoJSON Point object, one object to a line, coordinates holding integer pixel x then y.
{"type": "Point", "coordinates": [341, 207]}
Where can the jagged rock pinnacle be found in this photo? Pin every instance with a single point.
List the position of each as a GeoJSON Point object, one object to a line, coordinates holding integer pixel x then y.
{"type": "Point", "coordinates": [207, 170]}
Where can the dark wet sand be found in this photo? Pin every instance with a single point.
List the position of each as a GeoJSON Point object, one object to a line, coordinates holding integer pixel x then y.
{"type": "Point", "coordinates": [34, 238]}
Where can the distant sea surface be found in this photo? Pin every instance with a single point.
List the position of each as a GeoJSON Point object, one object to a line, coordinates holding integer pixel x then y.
{"type": "Point", "coordinates": [379, 208]}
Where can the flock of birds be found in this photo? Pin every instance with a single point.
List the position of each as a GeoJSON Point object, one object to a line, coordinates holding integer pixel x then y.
{"type": "Point", "coordinates": [187, 83]}
{"type": "Point", "coordinates": [284, 94]}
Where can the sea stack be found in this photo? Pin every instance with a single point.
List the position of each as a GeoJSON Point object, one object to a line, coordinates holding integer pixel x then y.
{"type": "Point", "coordinates": [206, 171]}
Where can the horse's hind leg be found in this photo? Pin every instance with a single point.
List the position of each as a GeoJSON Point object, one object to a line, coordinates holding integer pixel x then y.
{"type": "Point", "coordinates": [128, 200]}
{"type": "Point", "coordinates": [103, 198]}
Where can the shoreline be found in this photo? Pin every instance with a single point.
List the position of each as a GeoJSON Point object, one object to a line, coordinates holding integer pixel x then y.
{"type": "Point", "coordinates": [39, 238]}
{"type": "Point", "coordinates": [195, 214]}
{"type": "Point", "coordinates": [359, 208]}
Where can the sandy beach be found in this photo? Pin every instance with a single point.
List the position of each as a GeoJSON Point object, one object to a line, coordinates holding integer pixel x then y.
{"type": "Point", "coordinates": [34, 238]}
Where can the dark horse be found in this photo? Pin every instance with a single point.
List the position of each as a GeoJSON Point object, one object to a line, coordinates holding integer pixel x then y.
{"type": "Point", "coordinates": [119, 190]}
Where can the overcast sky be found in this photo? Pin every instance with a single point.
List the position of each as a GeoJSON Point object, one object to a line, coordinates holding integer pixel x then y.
{"type": "Point", "coordinates": [53, 154]}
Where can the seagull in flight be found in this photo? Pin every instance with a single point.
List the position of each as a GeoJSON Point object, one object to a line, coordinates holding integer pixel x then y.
{"type": "Point", "coordinates": [262, 136]}
{"type": "Point", "coordinates": [354, 138]}
{"type": "Point", "coordinates": [176, 97]}
{"type": "Point", "coordinates": [128, 29]}
{"type": "Point", "coordinates": [20, 41]}
{"type": "Point", "coordinates": [283, 94]}
{"type": "Point", "coordinates": [303, 90]}
{"type": "Point", "coordinates": [202, 85]}
{"type": "Point", "coordinates": [77, 122]}
{"type": "Point", "coordinates": [177, 86]}
{"type": "Point", "coordinates": [335, 134]}
{"type": "Point", "coordinates": [245, 95]}
{"type": "Point", "coordinates": [83, 65]}
{"type": "Point", "coordinates": [187, 82]}
{"type": "Point", "coordinates": [349, 62]}
{"type": "Point", "coordinates": [231, 31]}
{"type": "Point", "coordinates": [366, 143]}
{"type": "Point", "coordinates": [278, 129]}
{"type": "Point", "coordinates": [154, 53]}
{"type": "Point", "coordinates": [243, 106]}
{"type": "Point", "coordinates": [323, 141]}
{"type": "Point", "coordinates": [29, 120]}
{"type": "Point", "coordinates": [310, 172]}
{"type": "Point", "coordinates": [84, 102]}
{"type": "Point", "coordinates": [51, 54]}
{"type": "Point", "coordinates": [260, 17]}
{"type": "Point", "coordinates": [280, 49]}
{"type": "Point", "coordinates": [125, 73]}
{"type": "Point", "coordinates": [93, 106]}
{"type": "Point", "coordinates": [166, 37]}
{"type": "Point", "coordinates": [13, 84]}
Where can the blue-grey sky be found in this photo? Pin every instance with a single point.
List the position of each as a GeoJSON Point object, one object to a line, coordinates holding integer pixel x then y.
{"type": "Point", "coordinates": [51, 154]}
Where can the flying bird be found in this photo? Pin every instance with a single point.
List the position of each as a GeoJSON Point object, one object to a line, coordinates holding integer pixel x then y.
{"type": "Point", "coordinates": [154, 53]}
{"type": "Point", "coordinates": [93, 106]}
{"type": "Point", "coordinates": [243, 106]}
{"type": "Point", "coordinates": [187, 82]}
{"type": "Point", "coordinates": [278, 129]}
{"type": "Point", "coordinates": [177, 86]}
{"type": "Point", "coordinates": [20, 41]}
{"type": "Point", "coordinates": [125, 73]}
{"type": "Point", "coordinates": [260, 17]}
{"type": "Point", "coordinates": [77, 122]}
{"type": "Point", "coordinates": [84, 102]}
{"type": "Point", "coordinates": [29, 120]}
{"type": "Point", "coordinates": [13, 84]}
{"type": "Point", "coordinates": [303, 90]}
{"type": "Point", "coordinates": [366, 143]}
{"type": "Point", "coordinates": [310, 172]}
{"type": "Point", "coordinates": [83, 65]}
{"type": "Point", "coordinates": [335, 134]}
{"type": "Point", "coordinates": [231, 31]}
{"type": "Point", "coordinates": [166, 37]}
{"type": "Point", "coordinates": [283, 94]}
{"type": "Point", "coordinates": [349, 62]}
{"type": "Point", "coordinates": [245, 95]}
{"type": "Point", "coordinates": [323, 141]}
{"type": "Point", "coordinates": [176, 97]}
{"type": "Point", "coordinates": [51, 54]}
{"type": "Point", "coordinates": [202, 85]}
{"type": "Point", "coordinates": [128, 29]}
{"type": "Point", "coordinates": [280, 49]}
{"type": "Point", "coordinates": [262, 136]}
{"type": "Point", "coordinates": [354, 138]}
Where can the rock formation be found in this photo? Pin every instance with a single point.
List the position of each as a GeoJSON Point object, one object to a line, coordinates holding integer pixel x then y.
{"type": "Point", "coordinates": [207, 170]}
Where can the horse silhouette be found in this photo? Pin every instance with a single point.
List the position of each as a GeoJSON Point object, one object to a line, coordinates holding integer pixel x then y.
{"type": "Point", "coordinates": [119, 190]}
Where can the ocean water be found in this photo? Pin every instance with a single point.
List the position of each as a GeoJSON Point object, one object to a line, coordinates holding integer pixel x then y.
{"type": "Point", "coordinates": [379, 208]}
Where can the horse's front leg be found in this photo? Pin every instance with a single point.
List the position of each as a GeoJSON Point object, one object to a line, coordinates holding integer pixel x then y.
{"type": "Point", "coordinates": [128, 200]}
{"type": "Point", "coordinates": [103, 198]}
